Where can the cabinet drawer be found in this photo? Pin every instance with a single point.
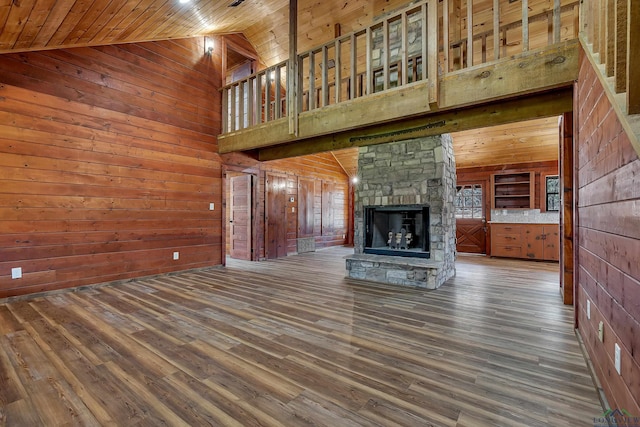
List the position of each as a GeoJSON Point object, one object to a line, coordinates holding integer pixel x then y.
{"type": "Point", "coordinates": [512, 251]}
{"type": "Point", "coordinates": [506, 239]}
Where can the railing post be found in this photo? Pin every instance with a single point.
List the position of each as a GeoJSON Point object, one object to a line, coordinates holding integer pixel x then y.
{"type": "Point", "coordinates": [251, 104]}
{"type": "Point", "coordinates": [258, 110]}
{"type": "Point", "coordinates": [312, 80]}
{"type": "Point", "coordinates": [225, 110]}
{"type": "Point", "coordinates": [241, 105]}
{"type": "Point", "coordinates": [325, 77]}
{"type": "Point", "coordinates": [267, 95]}
{"type": "Point", "coordinates": [277, 94]}
{"type": "Point", "coordinates": [427, 60]}
{"type": "Point", "coordinates": [633, 57]}
{"type": "Point", "coordinates": [369, 72]}
{"type": "Point", "coordinates": [556, 21]}
{"type": "Point", "coordinates": [338, 71]}
{"type": "Point", "coordinates": [292, 70]}
{"type": "Point", "coordinates": [404, 54]}
{"type": "Point", "coordinates": [354, 65]}
{"type": "Point", "coordinates": [445, 36]}
{"type": "Point", "coordinates": [385, 57]}
{"type": "Point", "coordinates": [610, 20]}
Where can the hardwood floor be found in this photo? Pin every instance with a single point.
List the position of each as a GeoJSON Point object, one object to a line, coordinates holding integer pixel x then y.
{"type": "Point", "coordinates": [292, 342]}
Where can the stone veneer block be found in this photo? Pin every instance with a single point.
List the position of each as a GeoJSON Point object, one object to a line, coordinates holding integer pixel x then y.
{"type": "Point", "coordinates": [414, 272]}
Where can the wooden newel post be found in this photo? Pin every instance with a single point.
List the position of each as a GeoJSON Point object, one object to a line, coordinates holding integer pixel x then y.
{"type": "Point", "coordinates": [292, 69]}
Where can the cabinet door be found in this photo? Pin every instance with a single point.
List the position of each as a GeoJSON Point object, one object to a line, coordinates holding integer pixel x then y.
{"type": "Point", "coordinates": [551, 242]}
{"type": "Point", "coordinates": [533, 238]}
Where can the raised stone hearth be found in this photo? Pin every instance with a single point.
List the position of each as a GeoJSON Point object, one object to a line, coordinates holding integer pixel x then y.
{"type": "Point", "coordinates": [408, 173]}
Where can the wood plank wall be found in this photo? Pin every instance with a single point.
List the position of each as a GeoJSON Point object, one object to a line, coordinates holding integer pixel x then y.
{"type": "Point", "coordinates": [320, 172]}
{"type": "Point", "coordinates": [608, 238]}
{"type": "Point", "coordinates": [108, 163]}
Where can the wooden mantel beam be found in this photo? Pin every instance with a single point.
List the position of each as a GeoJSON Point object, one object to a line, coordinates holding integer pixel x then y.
{"type": "Point", "coordinates": [533, 106]}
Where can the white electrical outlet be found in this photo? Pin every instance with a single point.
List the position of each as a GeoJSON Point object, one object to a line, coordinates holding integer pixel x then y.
{"type": "Point", "coordinates": [16, 273]}
{"type": "Point", "coordinates": [617, 358]}
{"type": "Point", "coordinates": [293, 209]}
{"type": "Point", "coordinates": [588, 309]}
{"type": "Point", "coordinates": [176, 255]}
{"type": "Point", "coordinates": [212, 206]}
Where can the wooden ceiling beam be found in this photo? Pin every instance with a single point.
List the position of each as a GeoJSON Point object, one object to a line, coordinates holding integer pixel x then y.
{"type": "Point", "coordinates": [539, 105]}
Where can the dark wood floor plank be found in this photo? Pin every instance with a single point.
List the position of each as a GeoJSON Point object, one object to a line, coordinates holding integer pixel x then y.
{"type": "Point", "coordinates": [293, 342]}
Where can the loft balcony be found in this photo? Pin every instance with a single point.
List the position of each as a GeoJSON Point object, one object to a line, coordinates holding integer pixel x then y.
{"type": "Point", "coordinates": [410, 73]}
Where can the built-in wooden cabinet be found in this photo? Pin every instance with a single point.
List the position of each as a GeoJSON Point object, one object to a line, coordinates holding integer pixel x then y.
{"type": "Point", "coordinates": [513, 190]}
{"type": "Point", "coordinates": [530, 241]}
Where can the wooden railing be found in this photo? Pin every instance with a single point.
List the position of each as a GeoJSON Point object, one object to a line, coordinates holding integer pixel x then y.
{"type": "Point", "coordinates": [611, 28]}
{"type": "Point", "coordinates": [256, 99]}
{"type": "Point", "coordinates": [398, 50]}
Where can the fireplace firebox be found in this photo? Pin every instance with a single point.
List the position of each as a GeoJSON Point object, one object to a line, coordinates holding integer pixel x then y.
{"type": "Point", "coordinates": [401, 230]}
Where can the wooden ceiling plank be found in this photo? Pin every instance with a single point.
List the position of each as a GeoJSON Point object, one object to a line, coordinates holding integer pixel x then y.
{"type": "Point", "coordinates": [16, 21]}
{"type": "Point", "coordinates": [55, 18]}
{"type": "Point", "coordinates": [147, 16]}
{"type": "Point", "coordinates": [102, 21]}
{"type": "Point", "coordinates": [34, 24]}
{"type": "Point", "coordinates": [126, 21]}
{"type": "Point", "coordinates": [70, 21]}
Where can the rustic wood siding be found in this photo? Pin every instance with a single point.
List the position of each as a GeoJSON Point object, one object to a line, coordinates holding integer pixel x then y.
{"type": "Point", "coordinates": [608, 241]}
{"type": "Point", "coordinates": [108, 163]}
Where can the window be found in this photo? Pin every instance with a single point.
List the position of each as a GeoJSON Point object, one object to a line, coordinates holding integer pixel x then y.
{"type": "Point", "coordinates": [552, 188]}
{"type": "Point", "coordinates": [468, 201]}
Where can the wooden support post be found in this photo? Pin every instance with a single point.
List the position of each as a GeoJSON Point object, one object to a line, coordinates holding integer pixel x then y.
{"type": "Point", "coordinates": [621, 46]}
{"type": "Point", "coordinates": [525, 25]}
{"type": "Point", "coordinates": [470, 32]}
{"type": "Point", "coordinates": [633, 57]}
{"type": "Point", "coordinates": [567, 264]}
{"type": "Point", "coordinates": [496, 29]}
{"type": "Point", "coordinates": [431, 42]}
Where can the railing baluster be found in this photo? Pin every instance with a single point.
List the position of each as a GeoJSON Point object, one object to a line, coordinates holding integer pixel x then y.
{"type": "Point", "coordinates": [496, 29]}
{"type": "Point", "coordinates": [251, 105]}
{"type": "Point", "coordinates": [633, 59]}
{"type": "Point", "coordinates": [403, 69]}
{"type": "Point", "coordinates": [225, 110]}
{"type": "Point", "coordinates": [430, 42]}
{"type": "Point", "coordinates": [445, 36]}
{"type": "Point", "coordinates": [557, 23]}
{"type": "Point", "coordinates": [267, 95]}
{"type": "Point", "coordinates": [338, 71]}
{"type": "Point", "coordinates": [470, 33]}
{"type": "Point", "coordinates": [277, 94]}
{"type": "Point", "coordinates": [621, 46]}
{"type": "Point", "coordinates": [525, 25]}
{"type": "Point", "coordinates": [354, 65]}
{"type": "Point", "coordinates": [241, 105]}
{"type": "Point", "coordinates": [259, 100]}
{"type": "Point", "coordinates": [610, 61]}
{"type": "Point", "coordinates": [385, 56]}
{"type": "Point", "coordinates": [312, 81]}
{"type": "Point", "coordinates": [325, 76]}
{"type": "Point", "coordinates": [233, 101]}
{"type": "Point", "coordinates": [369, 72]}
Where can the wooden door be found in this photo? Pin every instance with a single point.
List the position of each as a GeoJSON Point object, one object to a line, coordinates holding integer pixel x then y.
{"type": "Point", "coordinates": [306, 209]}
{"type": "Point", "coordinates": [241, 189]}
{"type": "Point", "coordinates": [471, 224]}
{"type": "Point", "coordinates": [276, 218]}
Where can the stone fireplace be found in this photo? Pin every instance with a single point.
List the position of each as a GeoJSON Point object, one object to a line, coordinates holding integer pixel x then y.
{"type": "Point", "coordinates": [404, 217]}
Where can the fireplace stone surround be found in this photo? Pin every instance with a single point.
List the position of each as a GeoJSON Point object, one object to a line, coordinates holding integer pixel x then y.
{"type": "Point", "coordinates": [418, 171]}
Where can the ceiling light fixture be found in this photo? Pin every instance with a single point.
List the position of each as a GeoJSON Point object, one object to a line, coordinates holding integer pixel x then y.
{"type": "Point", "coordinates": [184, 1]}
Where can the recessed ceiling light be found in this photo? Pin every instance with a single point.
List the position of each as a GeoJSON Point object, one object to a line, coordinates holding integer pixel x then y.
{"type": "Point", "coordinates": [236, 3]}
{"type": "Point", "coordinates": [184, 1]}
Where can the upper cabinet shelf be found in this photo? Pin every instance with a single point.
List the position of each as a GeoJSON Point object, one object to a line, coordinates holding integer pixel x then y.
{"type": "Point", "coordinates": [513, 190]}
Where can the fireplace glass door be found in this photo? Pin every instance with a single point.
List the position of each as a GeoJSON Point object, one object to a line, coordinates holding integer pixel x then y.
{"type": "Point", "coordinates": [397, 230]}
